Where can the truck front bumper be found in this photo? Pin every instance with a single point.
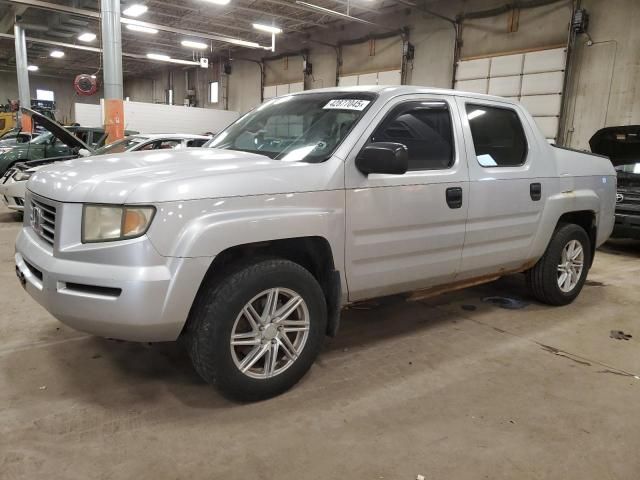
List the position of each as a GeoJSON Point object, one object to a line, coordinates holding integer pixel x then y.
{"type": "Point", "coordinates": [146, 303]}
{"type": "Point", "coordinates": [626, 226]}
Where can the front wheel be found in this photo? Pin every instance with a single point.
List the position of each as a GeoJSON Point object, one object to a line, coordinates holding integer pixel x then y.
{"type": "Point", "coordinates": [254, 334]}
{"type": "Point", "coordinates": [559, 275]}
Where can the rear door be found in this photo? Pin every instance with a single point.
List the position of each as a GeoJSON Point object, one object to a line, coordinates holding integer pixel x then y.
{"type": "Point", "coordinates": [406, 232]}
{"type": "Point", "coordinates": [506, 190]}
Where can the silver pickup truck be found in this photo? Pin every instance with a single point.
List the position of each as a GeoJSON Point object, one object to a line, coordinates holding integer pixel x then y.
{"type": "Point", "coordinates": [248, 250]}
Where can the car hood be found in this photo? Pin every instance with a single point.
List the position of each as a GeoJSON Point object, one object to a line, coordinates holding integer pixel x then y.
{"type": "Point", "coordinates": [174, 175]}
{"type": "Point", "coordinates": [61, 133]}
{"type": "Point", "coordinates": [621, 144]}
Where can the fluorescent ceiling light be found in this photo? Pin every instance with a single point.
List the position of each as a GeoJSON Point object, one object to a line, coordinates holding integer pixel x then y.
{"type": "Point", "coordinates": [32, 68]}
{"type": "Point", "coordinates": [87, 37]}
{"type": "Point", "coordinates": [140, 28]}
{"type": "Point", "coordinates": [57, 54]}
{"type": "Point", "coordinates": [192, 44]}
{"type": "Point", "coordinates": [267, 28]}
{"type": "Point", "coordinates": [476, 114]}
{"type": "Point", "coordinates": [243, 43]}
{"type": "Point", "coordinates": [135, 10]}
{"type": "Point", "coordinates": [157, 56]}
{"type": "Point", "coordinates": [218, 2]}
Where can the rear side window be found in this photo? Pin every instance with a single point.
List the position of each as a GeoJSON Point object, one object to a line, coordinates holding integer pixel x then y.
{"type": "Point", "coordinates": [498, 137]}
{"type": "Point", "coordinates": [425, 129]}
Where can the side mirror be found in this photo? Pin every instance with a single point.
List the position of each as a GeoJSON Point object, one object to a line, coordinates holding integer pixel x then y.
{"type": "Point", "coordinates": [383, 157]}
{"type": "Point", "coordinates": [83, 152]}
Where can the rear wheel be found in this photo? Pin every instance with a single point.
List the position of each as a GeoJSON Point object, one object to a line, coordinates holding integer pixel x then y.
{"type": "Point", "coordinates": [559, 275]}
{"type": "Point", "coordinates": [255, 333]}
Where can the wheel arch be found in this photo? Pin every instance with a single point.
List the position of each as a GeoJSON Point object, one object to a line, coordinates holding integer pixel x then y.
{"type": "Point", "coordinates": [314, 253]}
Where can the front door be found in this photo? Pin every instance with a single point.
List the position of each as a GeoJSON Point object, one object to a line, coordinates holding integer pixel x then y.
{"type": "Point", "coordinates": [406, 232]}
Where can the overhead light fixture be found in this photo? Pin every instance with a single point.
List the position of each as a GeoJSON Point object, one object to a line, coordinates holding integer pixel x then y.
{"type": "Point", "coordinates": [218, 2]}
{"type": "Point", "coordinates": [166, 58]}
{"type": "Point", "coordinates": [192, 44]}
{"type": "Point", "coordinates": [135, 10]}
{"type": "Point", "coordinates": [244, 43]}
{"type": "Point", "coordinates": [140, 28]}
{"type": "Point", "coordinates": [33, 68]}
{"type": "Point", "coordinates": [157, 56]}
{"type": "Point", "coordinates": [57, 54]}
{"type": "Point", "coordinates": [87, 37]}
{"type": "Point", "coordinates": [267, 28]}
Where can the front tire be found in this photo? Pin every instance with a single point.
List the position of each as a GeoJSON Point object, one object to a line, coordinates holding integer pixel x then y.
{"type": "Point", "coordinates": [559, 275]}
{"type": "Point", "coordinates": [255, 333]}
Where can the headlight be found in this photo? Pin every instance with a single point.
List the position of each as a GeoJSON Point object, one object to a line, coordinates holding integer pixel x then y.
{"type": "Point", "coordinates": [21, 176]}
{"type": "Point", "coordinates": [103, 223]}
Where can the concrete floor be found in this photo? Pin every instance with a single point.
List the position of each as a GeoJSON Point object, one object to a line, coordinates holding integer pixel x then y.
{"type": "Point", "coordinates": [426, 388]}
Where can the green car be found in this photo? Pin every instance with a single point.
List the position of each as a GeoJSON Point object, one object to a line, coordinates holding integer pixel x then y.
{"type": "Point", "coordinates": [57, 141]}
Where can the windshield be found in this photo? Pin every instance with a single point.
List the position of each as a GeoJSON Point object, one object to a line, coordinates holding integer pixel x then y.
{"type": "Point", "coordinates": [121, 145]}
{"type": "Point", "coordinates": [306, 127]}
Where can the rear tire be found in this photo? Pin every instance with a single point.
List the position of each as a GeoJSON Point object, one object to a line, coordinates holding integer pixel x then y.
{"type": "Point", "coordinates": [559, 275]}
{"type": "Point", "coordinates": [240, 337]}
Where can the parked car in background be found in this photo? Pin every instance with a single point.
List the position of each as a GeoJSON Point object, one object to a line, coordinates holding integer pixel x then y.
{"type": "Point", "coordinates": [13, 182]}
{"type": "Point", "coordinates": [622, 146]}
{"type": "Point", "coordinates": [248, 250]}
{"type": "Point", "coordinates": [56, 142]}
{"type": "Point", "coordinates": [155, 141]}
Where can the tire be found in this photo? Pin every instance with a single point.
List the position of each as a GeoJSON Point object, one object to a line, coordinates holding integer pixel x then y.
{"type": "Point", "coordinates": [545, 276]}
{"type": "Point", "coordinates": [221, 310]}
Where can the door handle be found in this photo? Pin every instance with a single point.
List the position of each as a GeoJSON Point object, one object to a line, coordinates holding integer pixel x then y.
{"type": "Point", "coordinates": [454, 197]}
{"type": "Point", "coordinates": [535, 190]}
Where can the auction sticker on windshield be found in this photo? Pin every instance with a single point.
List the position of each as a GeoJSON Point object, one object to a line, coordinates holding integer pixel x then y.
{"type": "Point", "coordinates": [346, 104]}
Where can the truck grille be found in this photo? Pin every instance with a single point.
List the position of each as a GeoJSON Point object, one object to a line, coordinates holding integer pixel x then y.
{"type": "Point", "coordinates": [43, 220]}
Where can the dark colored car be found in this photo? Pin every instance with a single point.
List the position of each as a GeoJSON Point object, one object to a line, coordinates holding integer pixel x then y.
{"type": "Point", "coordinates": [56, 142]}
{"type": "Point", "coordinates": [622, 146]}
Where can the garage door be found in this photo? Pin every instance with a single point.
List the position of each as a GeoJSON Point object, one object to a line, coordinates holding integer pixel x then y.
{"type": "Point", "coordinates": [283, 76]}
{"type": "Point", "coordinates": [272, 91]}
{"type": "Point", "coordinates": [534, 78]}
{"type": "Point", "coordinates": [389, 77]}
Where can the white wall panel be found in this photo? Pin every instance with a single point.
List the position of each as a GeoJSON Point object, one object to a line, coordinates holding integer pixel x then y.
{"type": "Point", "coordinates": [473, 69]}
{"type": "Point", "coordinates": [543, 105]}
{"type": "Point", "coordinates": [368, 79]}
{"type": "Point", "coordinates": [548, 126]}
{"type": "Point", "coordinates": [544, 61]}
{"type": "Point", "coordinates": [158, 118]}
{"type": "Point", "coordinates": [296, 87]}
{"type": "Point", "coordinates": [505, 86]}
{"type": "Point", "coordinates": [475, 86]}
{"type": "Point", "coordinates": [270, 92]}
{"type": "Point", "coordinates": [506, 65]}
{"type": "Point", "coordinates": [282, 89]}
{"type": "Point", "coordinates": [348, 81]}
{"type": "Point", "coordinates": [390, 77]}
{"type": "Point", "coordinates": [88, 115]}
{"type": "Point", "coordinates": [542, 83]}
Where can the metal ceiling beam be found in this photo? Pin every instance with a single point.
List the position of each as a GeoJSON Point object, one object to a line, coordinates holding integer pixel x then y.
{"type": "Point", "coordinates": [343, 16]}
{"type": "Point", "coordinates": [6, 22]}
{"type": "Point", "coordinates": [88, 49]}
{"type": "Point", "coordinates": [284, 3]}
{"type": "Point", "coordinates": [92, 14]}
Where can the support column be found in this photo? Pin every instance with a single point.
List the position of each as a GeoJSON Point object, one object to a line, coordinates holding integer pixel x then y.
{"type": "Point", "coordinates": [24, 92]}
{"type": "Point", "coordinates": [112, 66]}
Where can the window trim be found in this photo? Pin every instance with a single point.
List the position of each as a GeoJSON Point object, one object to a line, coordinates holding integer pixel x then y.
{"type": "Point", "coordinates": [525, 156]}
{"type": "Point", "coordinates": [402, 105]}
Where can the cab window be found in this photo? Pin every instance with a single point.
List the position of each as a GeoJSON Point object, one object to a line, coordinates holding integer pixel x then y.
{"type": "Point", "coordinates": [426, 130]}
{"type": "Point", "coordinates": [498, 136]}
